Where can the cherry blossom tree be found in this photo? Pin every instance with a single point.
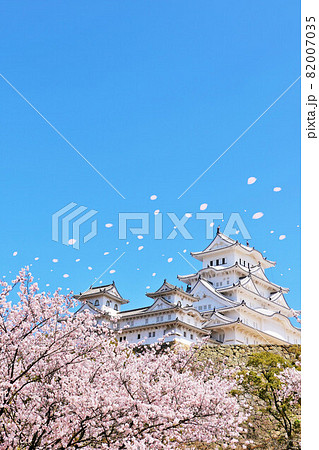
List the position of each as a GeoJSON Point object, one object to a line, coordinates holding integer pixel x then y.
{"type": "Point", "coordinates": [290, 385]}
{"type": "Point", "coordinates": [297, 315]}
{"type": "Point", "coordinates": [67, 382]}
{"type": "Point", "coordinates": [276, 383]}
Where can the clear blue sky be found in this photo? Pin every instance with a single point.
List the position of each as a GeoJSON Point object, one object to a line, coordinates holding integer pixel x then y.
{"type": "Point", "coordinates": [151, 93]}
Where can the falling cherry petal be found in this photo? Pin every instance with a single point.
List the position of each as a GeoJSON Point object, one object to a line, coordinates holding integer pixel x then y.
{"type": "Point", "coordinates": [153, 274]}
{"type": "Point", "coordinates": [14, 253]}
{"type": "Point", "coordinates": [258, 215]}
{"type": "Point", "coordinates": [170, 260]}
{"type": "Point", "coordinates": [153, 197]}
{"type": "Point", "coordinates": [251, 180]}
{"type": "Point", "coordinates": [55, 260]}
{"type": "Point", "coordinates": [66, 275]}
{"type": "Point", "coordinates": [277, 189]}
{"type": "Point", "coordinates": [140, 236]}
{"type": "Point", "coordinates": [90, 268]}
{"type": "Point", "coordinates": [108, 225]}
{"type": "Point", "coordinates": [140, 247]}
{"type": "Point", "coordinates": [156, 212]}
{"type": "Point", "coordinates": [282, 236]}
{"type": "Point", "coordinates": [203, 206]}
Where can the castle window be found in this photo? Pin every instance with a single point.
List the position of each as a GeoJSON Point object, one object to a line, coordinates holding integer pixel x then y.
{"type": "Point", "coordinates": [200, 308]}
{"type": "Point", "coordinates": [211, 263]}
{"type": "Point", "coordinates": [192, 337]}
{"type": "Point", "coordinates": [184, 333]}
{"type": "Point", "coordinates": [146, 321]}
{"type": "Point", "coordinates": [209, 306]}
{"type": "Point", "coordinates": [169, 317]}
{"type": "Point", "coordinates": [224, 261]}
{"type": "Point", "coordinates": [205, 307]}
{"type": "Point", "coordinates": [97, 303]}
{"type": "Point", "coordinates": [153, 333]}
{"type": "Point", "coordinates": [138, 336]}
{"type": "Point", "coordinates": [116, 307]}
{"type": "Point", "coordinates": [217, 262]}
{"type": "Point", "coordinates": [121, 338]}
{"type": "Point", "coordinates": [150, 334]}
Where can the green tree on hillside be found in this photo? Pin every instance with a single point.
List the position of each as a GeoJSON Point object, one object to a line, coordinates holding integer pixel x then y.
{"type": "Point", "coordinates": [274, 383]}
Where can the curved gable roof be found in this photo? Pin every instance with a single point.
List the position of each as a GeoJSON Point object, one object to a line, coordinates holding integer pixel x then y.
{"type": "Point", "coordinates": [207, 285]}
{"type": "Point", "coordinates": [229, 242]}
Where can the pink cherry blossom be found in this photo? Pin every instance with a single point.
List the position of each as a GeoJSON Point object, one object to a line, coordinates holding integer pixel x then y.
{"type": "Point", "coordinates": [68, 382]}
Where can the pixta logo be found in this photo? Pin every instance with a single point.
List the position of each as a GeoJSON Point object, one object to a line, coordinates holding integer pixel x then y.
{"type": "Point", "coordinates": [71, 217]}
{"type": "Point", "coordinates": [127, 222]}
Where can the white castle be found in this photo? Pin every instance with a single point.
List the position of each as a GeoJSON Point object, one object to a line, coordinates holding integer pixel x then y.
{"type": "Point", "coordinates": [229, 301]}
